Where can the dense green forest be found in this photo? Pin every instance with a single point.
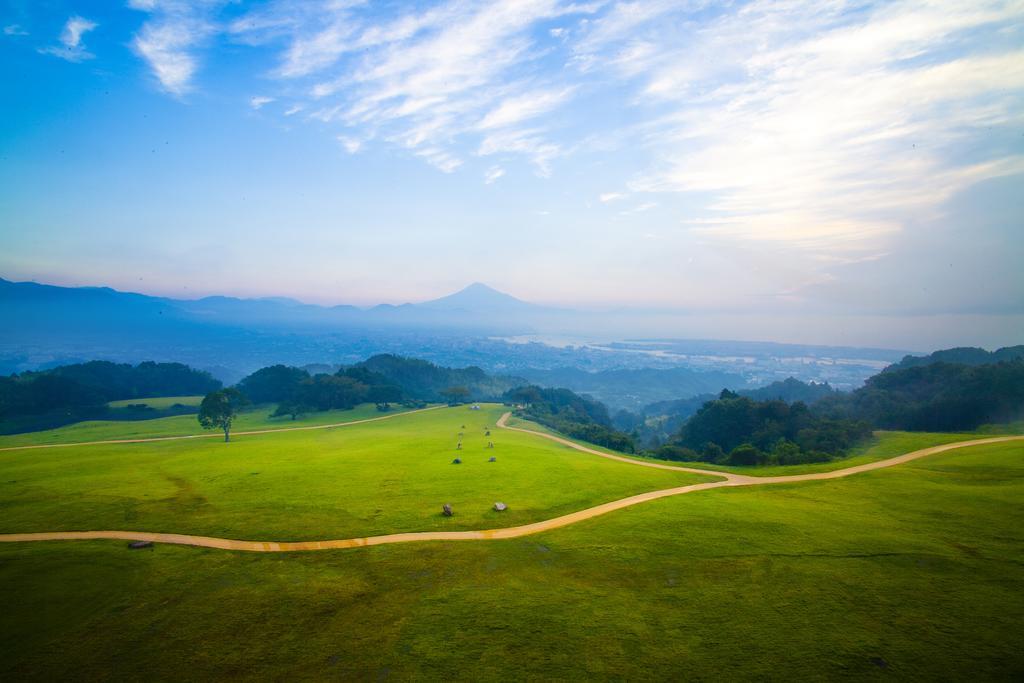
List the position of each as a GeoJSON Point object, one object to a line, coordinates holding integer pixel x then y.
{"type": "Point", "coordinates": [50, 398]}
{"type": "Point", "coordinates": [769, 426]}
{"type": "Point", "coordinates": [738, 430]}
{"type": "Point", "coordinates": [659, 423]}
{"type": "Point", "coordinates": [578, 416]}
{"type": "Point", "coordinates": [939, 397]}
{"type": "Point", "coordinates": [380, 379]}
{"type": "Point", "coordinates": [424, 381]}
{"type": "Point", "coordinates": [295, 391]}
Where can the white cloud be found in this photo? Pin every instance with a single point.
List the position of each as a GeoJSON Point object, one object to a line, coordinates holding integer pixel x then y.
{"type": "Point", "coordinates": [351, 144]}
{"type": "Point", "coordinates": [528, 142]}
{"type": "Point", "coordinates": [439, 158]}
{"type": "Point", "coordinates": [828, 132]}
{"type": "Point", "coordinates": [814, 135]}
{"type": "Point", "coordinates": [165, 47]}
{"type": "Point", "coordinates": [71, 47]}
{"type": "Point", "coordinates": [522, 107]}
{"type": "Point", "coordinates": [258, 101]}
{"type": "Point", "coordinates": [639, 208]}
{"type": "Point", "coordinates": [493, 173]}
{"type": "Point", "coordinates": [431, 80]}
{"type": "Point", "coordinates": [169, 39]}
{"type": "Point", "coordinates": [14, 30]}
{"type": "Point", "coordinates": [74, 29]}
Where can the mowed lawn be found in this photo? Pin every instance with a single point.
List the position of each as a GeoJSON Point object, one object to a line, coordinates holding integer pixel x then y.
{"type": "Point", "coordinates": [255, 418]}
{"type": "Point", "coordinates": [158, 402]}
{"type": "Point", "coordinates": [358, 480]}
{"type": "Point", "coordinates": [914, 572]}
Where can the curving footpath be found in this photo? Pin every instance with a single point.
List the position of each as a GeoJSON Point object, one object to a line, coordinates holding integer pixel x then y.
{"type": "Point", "coordinates": [726, 479]}
{"type": "Point", "coordinates": [218, 434]}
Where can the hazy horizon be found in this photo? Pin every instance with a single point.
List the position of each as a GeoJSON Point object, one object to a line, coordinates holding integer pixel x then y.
{"type": "Point", "coordinates": [850, 177]}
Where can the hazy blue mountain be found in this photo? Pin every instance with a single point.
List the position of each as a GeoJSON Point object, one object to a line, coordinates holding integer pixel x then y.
{"type": "Point", "coordinates": [231, 337]}
{"type": "Point", "coordinates": [479, 298]}
{"type": "Point", "coordinates": [73, 308]}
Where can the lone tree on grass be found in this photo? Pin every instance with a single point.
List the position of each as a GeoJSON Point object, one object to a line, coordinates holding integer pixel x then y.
{"type": "Point", "coordinates": [219, 408]}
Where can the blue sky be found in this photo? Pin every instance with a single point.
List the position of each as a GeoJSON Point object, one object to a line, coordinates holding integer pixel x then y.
{"type": "Point", "coordinates": [802, 160]}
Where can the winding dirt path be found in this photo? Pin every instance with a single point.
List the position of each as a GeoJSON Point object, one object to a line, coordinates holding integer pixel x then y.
{"type": "Point", "coordinates": [218, 434]}
{"type": "Point", "coordinates": [727, 479]}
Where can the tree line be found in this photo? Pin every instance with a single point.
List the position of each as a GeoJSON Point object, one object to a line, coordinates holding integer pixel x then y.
{"type": "Point", "coordinates": [49, 398]}
{"type": "Point", "coordinates": [914, 396]}
{"type": "Point", "coordinates": [580, 417]}
{"type": "Point", "coordinates": [737, 430]}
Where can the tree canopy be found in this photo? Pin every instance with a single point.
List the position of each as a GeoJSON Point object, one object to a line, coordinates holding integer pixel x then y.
{"type": "Point", "coordinates": [219, 409]}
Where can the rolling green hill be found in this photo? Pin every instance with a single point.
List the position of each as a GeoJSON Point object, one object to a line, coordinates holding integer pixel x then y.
{"type": "Point", "coordinates": [915, 571]}
{"type": "Point", "coordinates": [378, 477]}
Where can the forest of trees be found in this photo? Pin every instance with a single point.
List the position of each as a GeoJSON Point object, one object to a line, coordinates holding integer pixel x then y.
{"type": "Point", "coordinates": [296, 392]}
{"type": "Point", "coordinates": [961, 355]}
{"type": "Point", "coordinates": [49, 398]}
{"type": "Point", "coordinates": [382, 379]}
{"type": "Point", "coordinates": [424, 381]}
{"type": "Point", "coordinates": [926, 394]}
{"type": "Point", "coordinates": [939, 396]}
{"type": "Point", "coordinates": [738, 430]}
{"type": "Point", "coordinates": [786, 422]}
{"type": "Point", "coordinates": [578, 416]}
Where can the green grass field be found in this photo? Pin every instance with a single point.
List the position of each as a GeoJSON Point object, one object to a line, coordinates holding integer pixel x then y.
{"type": "Point", "coordinates": [914, 572]}
{"type": "Point", "coordinates": [882, 445]}
{"type": "Point", "coordinates": [367, 479]}
{"type": "Point", "coordinates": [159, 402]}
{"type": "Point", "coordinates": [182, 425]}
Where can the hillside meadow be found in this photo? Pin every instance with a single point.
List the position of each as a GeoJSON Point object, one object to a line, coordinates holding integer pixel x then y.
{"type": "Point", "coordinates": [915, 571]}
{"type": "Point", "coordinates": [364, 479]}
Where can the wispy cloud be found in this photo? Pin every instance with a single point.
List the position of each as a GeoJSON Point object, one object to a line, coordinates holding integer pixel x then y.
{"type": "Point", "coordinates": [14, 30]}
{"type": "Point", "coordinates": [443, 82]}
{"type": "Point", "coordinates": [71, 46]}
{"type": "Point", "coordinates": [493, 173]}
{"type": "Point", "coordinates": [169, 38]}
{"type": "Point", "coordinates": [259, 101]}
{"type": "Point", "coordinates": [513, 110]}
{"type": "Point", "coordinates": [351, 145]}
{"type": "Point", "coordinates": [818, 134]}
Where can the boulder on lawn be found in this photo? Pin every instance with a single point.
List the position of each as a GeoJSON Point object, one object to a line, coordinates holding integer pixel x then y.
{"type": "Point", "coordinates": [446, 509]}
{"type": "Point", "coordinates": [500, 507]}
{"type": "Point", "coordinates": [139, 545]}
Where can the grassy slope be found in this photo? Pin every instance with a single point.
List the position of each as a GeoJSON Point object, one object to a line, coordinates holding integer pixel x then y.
{"type": "Point", "coordinates": [916, 571]}
{"type": "Point", "coordinates": [884, 444]}
{"type": "Point", "coordinates": [182, 425]}
{"type": "Point", "coordinates": [368, 479]}
{"type": "Point", "coordinates": [158, 402]}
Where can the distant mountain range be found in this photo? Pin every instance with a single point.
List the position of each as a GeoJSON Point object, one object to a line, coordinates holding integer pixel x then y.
{"type": "Point", "coordinates": [72, 309]}
{"type": "Point", "coordinates": [46, 325]}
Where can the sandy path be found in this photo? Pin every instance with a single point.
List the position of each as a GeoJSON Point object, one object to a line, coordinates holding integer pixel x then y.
{"type": "Point", "coordinates": [220, 434]}
{"type": "Point", "coordinates": [728, 479]}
